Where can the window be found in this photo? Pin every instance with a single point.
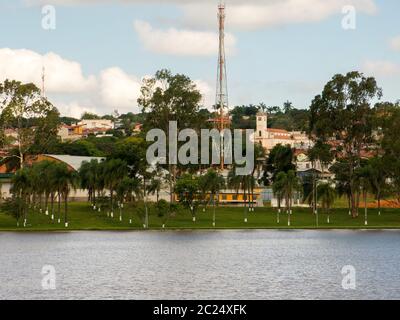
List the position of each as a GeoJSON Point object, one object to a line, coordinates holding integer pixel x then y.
{"type": "Point", "coordinates": [224, 197]}
{"type": "Point", "coordinates": [235, 197]}
{"type": "Point", "coordinates": [259, 119]}
{"type": "Point", "coordinates": [260, 133]}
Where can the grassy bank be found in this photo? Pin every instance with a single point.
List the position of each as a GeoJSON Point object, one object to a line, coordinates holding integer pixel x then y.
{"type": "Point", "coordinates": [82, 217]}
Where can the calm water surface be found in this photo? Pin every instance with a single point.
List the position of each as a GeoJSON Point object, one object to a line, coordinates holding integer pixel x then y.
{"type": "Point", "coordinates": [201, 265]}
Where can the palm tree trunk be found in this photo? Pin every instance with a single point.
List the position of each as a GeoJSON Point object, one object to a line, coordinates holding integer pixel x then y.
{"type": "Point", "coordinates": [365, 208]}
{"type": "Point", "coordinates": [52, 206]}
{"type": "Point", "coordinates": [279, 210]}
{"type": "Point", "coordinates": [111, 202]}
{"type": "Point", "coordinates": [46, 203]}
{"type": "Point", "coordinates": [40, 202]}
{"type": "Point", "coordinates": [214, 222]}
{"type": "Point", "coordinates": [25, 211]}
{"type": "Point", "coordinates": [66, 209]}
{"type": "Point", "coordinates": [146, 219]}
{"type": "Point", "coordinates": [379, 203]}
{"type": "Point", "coordinates": [94, 197]}
{"type": "Point", "coordinates": [289, 215]}
{"type": "Point", "coordinates": [59, 207]}
{"type": "Point", "coordinates": [244, 205]}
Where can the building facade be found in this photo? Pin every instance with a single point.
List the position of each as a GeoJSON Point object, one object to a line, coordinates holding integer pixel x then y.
{"type": "Point", "coordinates": [269, 138]}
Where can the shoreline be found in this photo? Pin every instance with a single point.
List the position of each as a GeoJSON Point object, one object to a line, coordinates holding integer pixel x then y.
{"type": "Point", "coordinates": [372, 228]}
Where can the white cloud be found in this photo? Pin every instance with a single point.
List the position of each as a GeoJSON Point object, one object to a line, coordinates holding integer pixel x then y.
{"type": "Point", "coordinates": [246, 14]}
{"type": "Point", "coordinates": [395, 43]}
{"type": "Point", "coordinates": [73, 93]}
{"type": "Point", "coordinates": [259, 14]}
{"type": "Point", "coordinates": [381, 68]}
{"type": "Point", "coordinates": [75, 109]}
{"type": "Point", "coordinates": [119, 90]}
{"type": "Point", "coordinates": [62, 76]}
{"type": "Point", "coordinates": [181, 42]}
{"type": "Point", "coordinates": [208, 93]}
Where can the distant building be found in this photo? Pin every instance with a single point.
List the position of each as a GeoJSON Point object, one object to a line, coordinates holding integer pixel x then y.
{"type": "Point", "coordinates": [73, 163]}
{"type": "Point", "coordinates": [305, 167]}
{"type": "Point", "coordinates": [137, 128]}
{"type": "Point", "coordinates": [96, 124]}
{"type": "Point", "coordinates": [70, 133]}
{"type": "Point", "coordinates": [269, 138]}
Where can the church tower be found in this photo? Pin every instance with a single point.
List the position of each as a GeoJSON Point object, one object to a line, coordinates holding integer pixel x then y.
{"type": "Point", "coordinates": [261, 128]}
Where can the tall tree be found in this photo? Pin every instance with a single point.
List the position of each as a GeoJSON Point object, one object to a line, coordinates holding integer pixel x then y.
{"type": "Point", "coordinates": [167, 97]}
{"type": "Point", "coordinates": [343, 112]}
{"type": "Point", "coordinates": [33, 117]}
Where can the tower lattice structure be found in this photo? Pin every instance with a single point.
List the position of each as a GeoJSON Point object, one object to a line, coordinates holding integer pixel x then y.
{"type": "Point", "coordinates": [222, 120]}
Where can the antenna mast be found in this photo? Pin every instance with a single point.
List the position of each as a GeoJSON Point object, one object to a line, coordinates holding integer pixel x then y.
{"type": "Point", "coordinates": [43, 80]}
{"type": "Point", "coordinates": [223, 120]}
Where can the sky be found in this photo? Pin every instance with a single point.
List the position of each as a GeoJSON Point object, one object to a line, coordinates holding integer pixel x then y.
{"type": "Point", "coordinates": [96, 52]}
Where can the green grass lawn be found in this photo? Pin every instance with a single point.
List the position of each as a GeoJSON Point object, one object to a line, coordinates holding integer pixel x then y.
{"type": "Point", "coordinates": [82, 217]}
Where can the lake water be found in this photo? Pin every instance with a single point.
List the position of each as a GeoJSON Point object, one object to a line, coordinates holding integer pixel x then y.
{"type": "Point", "coordinates": [201, 265]}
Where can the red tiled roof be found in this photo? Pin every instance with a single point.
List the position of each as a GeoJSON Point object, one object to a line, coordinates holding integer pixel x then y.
{"type": "Point", "coordinates": [277, 130]}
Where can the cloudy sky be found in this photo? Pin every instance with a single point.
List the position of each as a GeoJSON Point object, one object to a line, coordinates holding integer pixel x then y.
{"type": "Point", "coordinates": [277, 50]}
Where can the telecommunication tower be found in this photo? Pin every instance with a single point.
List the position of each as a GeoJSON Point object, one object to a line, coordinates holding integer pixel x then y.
{"type": "Point", "coordinates": [222, 121]}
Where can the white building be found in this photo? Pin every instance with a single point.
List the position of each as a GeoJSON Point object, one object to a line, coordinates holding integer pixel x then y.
{"type": "Point", "coordinates": [269, 138]}
{"type": "Point", "coordinates": [96, 124]}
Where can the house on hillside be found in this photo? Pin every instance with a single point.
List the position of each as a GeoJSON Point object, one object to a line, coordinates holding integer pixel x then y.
{"type": "Point", "coordinates": [70, 133]}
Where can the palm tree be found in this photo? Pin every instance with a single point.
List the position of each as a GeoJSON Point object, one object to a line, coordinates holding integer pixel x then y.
{"type": "Point", "coordinates": [215, 183]}
{"type": "Point", "coordinates": [66, 181]}
{"type": "Point", "coordinates": [89, 176]}
{"type": "Point", "coordinates": [115, 171]}
{"type": "Point", "coordinates": [57, 181]}
{"type": "Point", "coordinates": [259, 157]}
{"type": "Point", "coordinates": [123, 190]}
{"type": "Point", "coordinates": [155, 187]}
{"type": "Point", "coordinates": [134, 194]}
{"type": "Point", "coordinates": [187, 189]}
{"type": "Point", "coordinates": [288, 183]}
{"type": "Point", "coordinates": [278, 190]}
{"type": "Point", "coordinates": [327, 196]}
{"type": "Point", "coordinates": [246, 183]}
{"type": "Point", "coordinates": [21, 189]}
{"type": "Point", "coordinates": [40, 175]}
